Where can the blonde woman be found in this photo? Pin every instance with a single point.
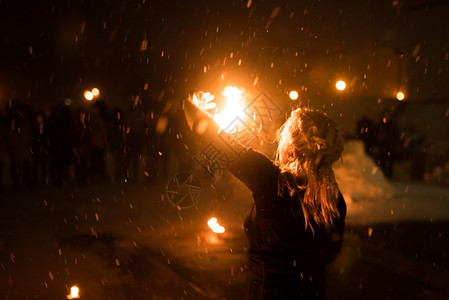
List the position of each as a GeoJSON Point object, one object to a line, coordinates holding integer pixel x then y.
{"type": "Point", "coordinates": [295, 224]}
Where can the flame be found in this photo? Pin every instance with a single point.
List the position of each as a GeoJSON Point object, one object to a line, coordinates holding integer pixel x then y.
{"type": "Point", "coordinates": [204, 103]}
{"type": "Point", "coordinates": [74, 293]}
{"type": "Point", "coordinates": [213, 224]}
{"type": "Point", "coordinates": [233, 107]}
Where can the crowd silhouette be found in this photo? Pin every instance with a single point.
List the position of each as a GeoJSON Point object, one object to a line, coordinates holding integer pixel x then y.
{"type": "Point", "coordinates": [84, 145]}
{"type": "Point", "coordinates": [381, 139]}
{"type": "Point", "coordinates": [93, 143]}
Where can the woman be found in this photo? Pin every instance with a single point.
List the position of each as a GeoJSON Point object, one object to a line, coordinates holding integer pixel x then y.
{"type": "Point", "coordinates": [295, 224]}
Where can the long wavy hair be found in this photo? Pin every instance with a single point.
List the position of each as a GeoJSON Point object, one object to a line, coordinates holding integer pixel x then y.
{"type": "Point", "coordinates": [309, 143]}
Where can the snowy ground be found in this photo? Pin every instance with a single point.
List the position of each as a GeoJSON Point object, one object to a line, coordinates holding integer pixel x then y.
{"type": "Point", "coordinates": [129, 242]}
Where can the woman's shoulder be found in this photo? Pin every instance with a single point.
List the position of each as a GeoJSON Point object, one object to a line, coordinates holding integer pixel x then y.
{"type": "Point", "coordinates": [255, 170]}
{"type": "Point", "coordinates": [253, 160]}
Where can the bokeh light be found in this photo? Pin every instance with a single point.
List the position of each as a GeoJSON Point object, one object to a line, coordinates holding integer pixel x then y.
{"type": "Point", "coordinates": [340, 85]}
{"type": "Point", "coordinates": [95, 92]}
{"type": "Point", "coordinates": [88, 95]}
{"type": "Point", "coordinates": [400, 96]}
{"type": "Point", "coordinates": [293, 95]}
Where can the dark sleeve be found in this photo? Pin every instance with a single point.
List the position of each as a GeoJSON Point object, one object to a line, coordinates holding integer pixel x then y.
{"type": "Point", "coordinates": [335, 241]}
{"type": "Point", "coordinates": [257, 172]}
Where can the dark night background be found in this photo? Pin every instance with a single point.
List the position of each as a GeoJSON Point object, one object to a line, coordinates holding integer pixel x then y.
{"type": "Point", "coordinates": [98, 217]}
{"type": "Point", "coordinates": [54, 50]}
{"type": "Point", "coordinates": [159, 51]}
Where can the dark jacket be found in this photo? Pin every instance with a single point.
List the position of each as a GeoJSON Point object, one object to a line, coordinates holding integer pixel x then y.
{"type": "Point", "coordinates": [286, 260]}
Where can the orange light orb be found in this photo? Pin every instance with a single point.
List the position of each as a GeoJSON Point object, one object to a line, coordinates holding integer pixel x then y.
{"type": "Point", "coordinates": [340, 85]}
{"type": "Point", "coordinates": [400, 96]}
{"type": "Point", "coordinates": [88, 95]}
{"type": "Point", "coordinates": [294, 95]}
{"type": "Point", "coordinates": [95, 92]}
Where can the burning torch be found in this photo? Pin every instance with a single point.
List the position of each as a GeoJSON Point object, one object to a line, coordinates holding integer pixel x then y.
{"type": "Point", "coordinates": [209, 125]}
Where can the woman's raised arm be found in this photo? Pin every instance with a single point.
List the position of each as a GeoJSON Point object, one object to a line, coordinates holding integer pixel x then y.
{"type": "Point", "coordinates": [207, 130]}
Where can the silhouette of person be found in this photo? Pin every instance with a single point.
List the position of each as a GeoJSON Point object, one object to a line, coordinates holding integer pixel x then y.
{"type": "Point", "coordinates": [387, 138]}
{"type": "Point", "coordinates": [60, 139]}
{"type": "Point", "coordinates": [296, 221]}
{"type": "Point", "coordinates": [364, 131]}
{"type": "Point", "coordinates": [116, 142]}
{"type": "Point", "coordinates": [20, 138]}
{"type": "Point", "coordinates": [3, 148]}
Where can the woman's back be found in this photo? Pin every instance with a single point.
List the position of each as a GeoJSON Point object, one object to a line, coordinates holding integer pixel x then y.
{"type": "Point", "coordinates": [285, 257]}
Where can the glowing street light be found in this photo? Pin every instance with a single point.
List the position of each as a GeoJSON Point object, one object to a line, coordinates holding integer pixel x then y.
{"type": "Point", "coordinates": [95, 92]}
{"type": "Point", "coordinates": [88, 95]}
{"type": "Point", "coordinates": [400, 96]}
{"type": "Point", "coordinates": [293, 95]}
{"type": "Point", "coordinates": [340, 85]}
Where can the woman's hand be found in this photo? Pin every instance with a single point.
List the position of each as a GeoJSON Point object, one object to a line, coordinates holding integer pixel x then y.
{"type": "Point", "coordinates": [204, 102]}
{"type": "Point", "coordinates": [205, 128]}
{"type": "Point", "coordinates": [196, 110]}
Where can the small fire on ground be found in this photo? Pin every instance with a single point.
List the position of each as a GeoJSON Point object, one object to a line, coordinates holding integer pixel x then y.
{"type": "Point", "coordinates": [214, 226]}
{"type": "Point", "coordinates": [74, 293]}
